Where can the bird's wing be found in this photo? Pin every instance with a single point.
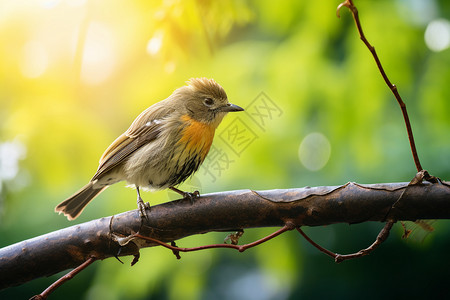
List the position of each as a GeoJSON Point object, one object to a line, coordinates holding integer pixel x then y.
{"type": "Point", "coordinates": [145, 128]}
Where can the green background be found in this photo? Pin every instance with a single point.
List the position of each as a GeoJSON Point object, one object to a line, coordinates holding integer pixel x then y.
{"type": "Point", "coordinates": [74, 74]}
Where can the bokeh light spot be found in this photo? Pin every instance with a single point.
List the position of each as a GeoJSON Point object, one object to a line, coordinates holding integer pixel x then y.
{"type": "Point", "coordinates": [99, 55]}
{"type": "Point", "coordinates": [170, 67]}
{"type": "Point", "coordinates": [10, 154]}
{"type": "Point", "coordinates": [155, 43]}
{"type": "Point", "coordinates": [437, 35]}
{"type": "Point", "coordinates": [314, 151]}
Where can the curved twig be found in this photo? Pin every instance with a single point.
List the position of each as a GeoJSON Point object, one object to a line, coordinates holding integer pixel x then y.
{"type": "Point", "coordinates": [349, 4]}
{"type": "Point", "coordinates": [63, 279]}
{"type": "Point", "coordinates": [240, 248]}
{"type": "Point", "coordinates": [382, 236]}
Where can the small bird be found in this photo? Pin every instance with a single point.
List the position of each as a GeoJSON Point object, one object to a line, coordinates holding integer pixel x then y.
{"type": "Point", "coordinates": [163, 146]}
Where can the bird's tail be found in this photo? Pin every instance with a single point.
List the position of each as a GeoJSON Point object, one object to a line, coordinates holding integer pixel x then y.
{"type": "Point", "coordinates": [74, 205]}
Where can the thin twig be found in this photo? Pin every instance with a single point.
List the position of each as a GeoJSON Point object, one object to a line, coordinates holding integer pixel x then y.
{"type": "Point", "coordinates": [349, 4]}
{"type": "Point", "coordinates": [382, 236]}
{"type": "Point", "coordinates": [63, 279]}
{"type": "Point", "coordinates": [320, 248]}
{"type": "Point", "coordinates": [240, 248]}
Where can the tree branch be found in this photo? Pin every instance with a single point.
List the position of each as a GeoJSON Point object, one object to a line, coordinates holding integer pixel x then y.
{"type": "Point", "coordinates": [109, 237]}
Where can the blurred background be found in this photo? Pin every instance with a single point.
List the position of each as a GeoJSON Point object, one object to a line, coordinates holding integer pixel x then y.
{"type": "Point", "coordinates": [74, 74]}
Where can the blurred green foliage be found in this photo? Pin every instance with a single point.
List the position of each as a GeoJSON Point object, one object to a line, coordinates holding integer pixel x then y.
{"type": "Point", "coordinates": [74, 74]}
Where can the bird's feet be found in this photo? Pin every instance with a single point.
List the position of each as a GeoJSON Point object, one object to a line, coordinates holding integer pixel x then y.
{"type": "Point", "coordinates": [143, 207]}
{"type": "Point", "coordinates": [191, 196]}
{"type": "Point", "coordinates": [186, 195]}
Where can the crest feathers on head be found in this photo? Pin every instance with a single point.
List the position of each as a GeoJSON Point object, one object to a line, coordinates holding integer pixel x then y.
{"type": "Point", "coordinates": [207, 87]}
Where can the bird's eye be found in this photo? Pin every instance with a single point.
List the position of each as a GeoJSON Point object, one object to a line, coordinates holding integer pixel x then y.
{"type": "Point", "coordinates": [208, 101]}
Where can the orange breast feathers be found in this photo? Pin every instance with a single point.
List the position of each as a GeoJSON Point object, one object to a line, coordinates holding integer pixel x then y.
{"type": "Point", "coordinates": [197, 137]}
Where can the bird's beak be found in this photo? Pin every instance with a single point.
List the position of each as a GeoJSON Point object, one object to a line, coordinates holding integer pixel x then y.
{"type": "Point", "coordinates": [231, 107]}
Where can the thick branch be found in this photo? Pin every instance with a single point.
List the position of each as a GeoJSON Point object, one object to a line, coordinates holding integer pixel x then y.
{"type": "Point", "coordinates": [99, 239]}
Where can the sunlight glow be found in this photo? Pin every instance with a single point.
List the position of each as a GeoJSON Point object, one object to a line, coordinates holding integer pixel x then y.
{"type": "Point", "coordinates": [34, 59]}
{"type": "Point", "coordinates": [49, 4]}
{"type": "Point", "coordinates": [76, 2]}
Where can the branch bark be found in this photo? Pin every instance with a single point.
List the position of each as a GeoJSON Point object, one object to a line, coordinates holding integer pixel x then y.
{"type": "Point", "coordinates": [102, 238]}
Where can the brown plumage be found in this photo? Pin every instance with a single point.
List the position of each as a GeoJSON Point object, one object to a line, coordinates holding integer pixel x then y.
{"type": "Point", "coordinates": [164, 145]}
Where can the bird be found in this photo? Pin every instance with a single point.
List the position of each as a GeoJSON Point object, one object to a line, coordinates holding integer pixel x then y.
{"type": "Point", "coordinates": [162, 147]}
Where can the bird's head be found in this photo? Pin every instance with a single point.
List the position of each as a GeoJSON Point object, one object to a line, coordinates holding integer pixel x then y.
{"type": "Point", "coordinates": [204, 100]}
